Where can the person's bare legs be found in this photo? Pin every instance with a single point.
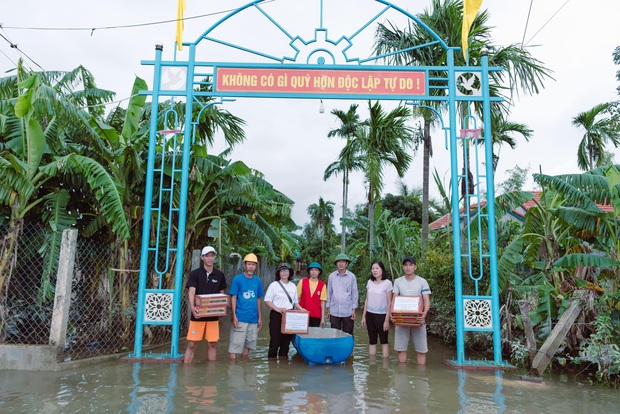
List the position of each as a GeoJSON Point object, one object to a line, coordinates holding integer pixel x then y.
{"type": "Point", "coordinates": [385, 350]}
{"type": "Point", "coordinates": [372, 349]}
{"type": "Point", "coordinates": [421, 358]}
{"type": "Point", "coordinates": [246, 352]}
{"type": "Point", "coordinates": [189, 352]}
{"type": "Point", "coordinates": [402, 356]}
{"type": "Point", "coordinates": [233, 356]}
{"type": "Point", "coordinates": [211, 351]}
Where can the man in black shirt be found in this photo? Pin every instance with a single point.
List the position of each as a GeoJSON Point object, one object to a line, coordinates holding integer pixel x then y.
{"type": "Point", "coordinates": [202, 281]}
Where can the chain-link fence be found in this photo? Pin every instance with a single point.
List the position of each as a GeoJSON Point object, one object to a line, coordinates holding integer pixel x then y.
{"type": "Point", "coordinates": [28, 313]}
{"type": "Point", "coordinates": [103, 298]}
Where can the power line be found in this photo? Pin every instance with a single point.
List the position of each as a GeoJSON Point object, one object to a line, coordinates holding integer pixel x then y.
{"type": "Point", "coordinates": [546, 23]}
{"type": "Point", "coordinates": [9, 59]}
{"type": "Point", "coordinates": [529, 13]}
{"type": "Point", "coordinates": [14, 46]}
{"type": "Point", "coordinates": [128, 26]}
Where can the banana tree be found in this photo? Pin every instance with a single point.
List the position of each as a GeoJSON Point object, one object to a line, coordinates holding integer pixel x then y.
{"type": "Point", "coordinates": [42, 113]}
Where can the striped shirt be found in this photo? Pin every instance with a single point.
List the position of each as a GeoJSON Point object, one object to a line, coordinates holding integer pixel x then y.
{"type": "Point", "coordinates": [342, 295]}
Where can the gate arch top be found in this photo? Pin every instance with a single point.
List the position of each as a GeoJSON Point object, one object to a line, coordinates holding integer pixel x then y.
{"type": "Point", "coordinates": [317, 45]}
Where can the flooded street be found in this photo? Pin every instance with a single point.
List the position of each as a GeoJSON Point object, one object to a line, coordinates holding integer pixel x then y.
{"type": "Point", "coordinates": [362, 385]}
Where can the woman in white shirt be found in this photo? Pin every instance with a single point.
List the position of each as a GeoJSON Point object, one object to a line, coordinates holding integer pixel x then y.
{"type": "Point", "coordinates": [376, 316]}
{"type": "Point", "coordinates": [281, 296]}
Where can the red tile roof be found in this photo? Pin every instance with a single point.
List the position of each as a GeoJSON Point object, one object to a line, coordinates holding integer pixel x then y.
{"type": "Point", "coordinates": [519, 211]}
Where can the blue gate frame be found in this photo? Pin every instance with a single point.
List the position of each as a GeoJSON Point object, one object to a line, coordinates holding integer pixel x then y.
{"type": "Point", "coordinates": [159, 303]}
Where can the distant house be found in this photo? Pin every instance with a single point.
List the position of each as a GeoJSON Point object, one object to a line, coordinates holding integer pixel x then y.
{"type": "Point", "coordinates": [516, 214]}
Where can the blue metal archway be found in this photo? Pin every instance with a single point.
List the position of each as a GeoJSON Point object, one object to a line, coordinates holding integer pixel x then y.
{"type": "Point", "coordinates": [322, 63]}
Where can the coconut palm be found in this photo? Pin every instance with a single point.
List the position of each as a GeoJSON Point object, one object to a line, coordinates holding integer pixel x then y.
{"type": "Point", "coordinates": [415, 46]}
{"type": "Point", "coordinates": [349, 122]}
{"type": "Point", "coordinates": [322, 216]}
{"type": "Point", "coordinates": [598, 132]}
{"type": "Point", "coordinates": [321, 219]}
{"type": "Point", "coordinates": [503, 132]}
{"type": "Point", "coordinates": [383, 139]}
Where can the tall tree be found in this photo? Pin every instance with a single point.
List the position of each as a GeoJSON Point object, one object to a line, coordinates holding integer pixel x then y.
{"type": "Point", "coordinates": [349, 122]}
{"type": "Point", "coordinates": [383, 139]}
{"type": "Point", "coordinates": [503, 132]}
{"type": "Point", "coordinates": [321, 219]}
{"type": "Point", "coordinates": [598, 131]}
{"type": "Point", "coordinates": [415, 46]}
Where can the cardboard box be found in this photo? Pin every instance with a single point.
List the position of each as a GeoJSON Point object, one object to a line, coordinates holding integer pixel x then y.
{"type": "Point", "coordinates": [212, 311]}
{"type": "Point", "coordinates": [214, 299]}
{"type": "Point", "coordinates": [411, 321]}
{"type": "Point", "coordinates": [407, 311]}
{"type": "Point", "coordinates": [295, 322]}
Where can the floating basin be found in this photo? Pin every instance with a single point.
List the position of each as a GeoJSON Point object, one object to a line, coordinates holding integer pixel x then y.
{"type": "Point", "coordinates": [324, 345]}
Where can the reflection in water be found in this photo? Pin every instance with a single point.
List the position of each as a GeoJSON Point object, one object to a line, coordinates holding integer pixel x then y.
{"type": "Point", "coordinates": [258, 384]}
{"type": "Point", "coordinates": [145, 399]}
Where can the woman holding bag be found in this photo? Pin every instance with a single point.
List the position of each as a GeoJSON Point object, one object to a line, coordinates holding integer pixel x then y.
{"type": "Point", "coordinates": [281, 296]}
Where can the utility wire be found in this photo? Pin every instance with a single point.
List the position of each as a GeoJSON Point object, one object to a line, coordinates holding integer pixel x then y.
{"type": "Point", "coordinates": [128, 26]}
{"type": "Point", "coordinates": [546, 23]}
{"type": "Point", "coordinates": [529, 13]}
{"type": "Point", "coordinates": [9, 59]}
{"type": "Point", "coordinates": [14, 46]}
{"type": "Point", "coordinates": [92, 29]}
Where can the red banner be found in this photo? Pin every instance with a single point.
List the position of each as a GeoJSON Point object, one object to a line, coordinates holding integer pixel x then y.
{"type": "Point", "coordinates": [318, 81]}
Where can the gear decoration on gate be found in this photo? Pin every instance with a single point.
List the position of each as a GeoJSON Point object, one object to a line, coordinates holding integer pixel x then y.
{"type": "Point", "coordinates": [320, 50]}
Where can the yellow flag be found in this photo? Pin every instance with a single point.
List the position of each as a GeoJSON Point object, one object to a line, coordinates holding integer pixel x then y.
{"type": "Point", "coordinates": [180, 25]}
{"type": "Point", "coordinates": [470, 10]}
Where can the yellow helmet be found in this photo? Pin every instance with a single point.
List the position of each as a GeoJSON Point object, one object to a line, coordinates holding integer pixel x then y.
{"type": "Point", "coordinates": [250, 258]}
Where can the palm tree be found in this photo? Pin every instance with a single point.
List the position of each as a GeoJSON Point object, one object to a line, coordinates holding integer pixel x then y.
{"type": "Point", "coordinates": [598, 131]}
{"type": "Point", "coordinates": [321, 219]}
{"type": "Point", "coordinates": [349, 122]}
{"type": "Point", "coordinates": [445, 19]}
{"type": "Point", "coordinates": [503, 131]}
{"type": "Point", "coordinates": [383, 139]}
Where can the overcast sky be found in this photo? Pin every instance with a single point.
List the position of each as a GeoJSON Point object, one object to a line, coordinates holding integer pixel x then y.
{"type": "Point", "coordinates": [287, 139]}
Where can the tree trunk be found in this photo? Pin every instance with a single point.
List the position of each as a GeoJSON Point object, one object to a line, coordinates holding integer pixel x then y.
{"type": "Point", "coordinates": [371, 220]}
{"type": "Point", "coordinates": [8, 258]}
{"type": "Point", "coordinates": [425, 180]}
{"type": "Point", "coordinates": [345, 185]}
{"type": "Point", "coordinates": [524, 307]}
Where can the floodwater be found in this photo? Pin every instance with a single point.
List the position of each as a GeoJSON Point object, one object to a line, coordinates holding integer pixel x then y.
{"type": "Point", "coordinates": [259, 385]}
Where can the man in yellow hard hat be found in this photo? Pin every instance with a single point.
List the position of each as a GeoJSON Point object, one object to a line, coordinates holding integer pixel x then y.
{"type": "Point", "coordinates": [246, 292]}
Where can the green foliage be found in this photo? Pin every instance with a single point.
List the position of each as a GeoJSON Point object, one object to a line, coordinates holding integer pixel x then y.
{"type": "Point", "coordinates": [437, 267]}
{"type": "Point", "coordinates": [515, 180]}
{"type": "Point", "coordinates": [601, 348]}
{"type": "Point", "coordinates": [519, 353]}
{"type": "Point", "coordinates": [403, 206]}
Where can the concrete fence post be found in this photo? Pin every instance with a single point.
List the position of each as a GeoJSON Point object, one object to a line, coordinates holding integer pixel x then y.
{"type": "Point", "coordinates": [64, 280]}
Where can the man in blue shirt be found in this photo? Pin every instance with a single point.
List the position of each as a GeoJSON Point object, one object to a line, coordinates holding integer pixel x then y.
{"type": "Point", "coordinates": [342, 296]}
{"type": "Point", "coordinates": [246, 291]}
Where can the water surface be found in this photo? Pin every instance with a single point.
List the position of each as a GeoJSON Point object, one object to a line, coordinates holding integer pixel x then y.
{"type": "Point", "coordinates": [258, 384]}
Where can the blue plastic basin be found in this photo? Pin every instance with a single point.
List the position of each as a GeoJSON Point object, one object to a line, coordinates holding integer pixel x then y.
{"type": "Point", "coordinates": [324, 345]}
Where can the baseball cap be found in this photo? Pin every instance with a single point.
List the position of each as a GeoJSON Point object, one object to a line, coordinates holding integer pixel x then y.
{"type": "Point", "coordinates": [208, 249]}
{"type": "Point", "coordinates": [409, 259]}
